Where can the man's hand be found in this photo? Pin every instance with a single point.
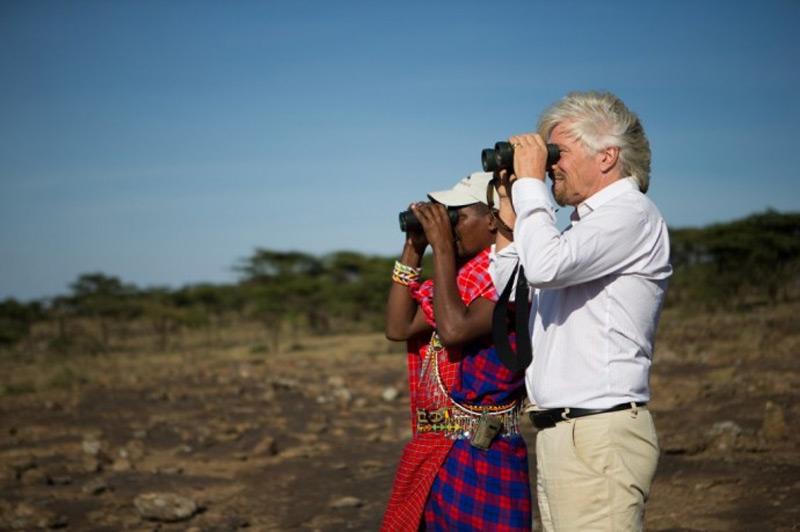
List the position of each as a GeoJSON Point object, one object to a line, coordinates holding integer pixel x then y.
{"type": "Point", "coordinates": [436, 224]}
{"type": "Point", "coordinates": [530, 155]}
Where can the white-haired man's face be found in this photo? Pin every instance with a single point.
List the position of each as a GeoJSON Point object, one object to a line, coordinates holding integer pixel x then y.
{"type": "Point", "coordinates": [576, 173]}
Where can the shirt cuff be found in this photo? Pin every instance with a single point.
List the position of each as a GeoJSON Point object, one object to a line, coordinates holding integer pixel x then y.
{"type": "Point", "coordinates": [529, 195]}
{"type": "Point", "coordinates": [509, 251]}
{"type": "Point", "coordinates": [501, 266]}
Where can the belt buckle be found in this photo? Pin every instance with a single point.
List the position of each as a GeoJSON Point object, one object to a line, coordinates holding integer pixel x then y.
{"type": "Point", "coordinates": [565, 414]}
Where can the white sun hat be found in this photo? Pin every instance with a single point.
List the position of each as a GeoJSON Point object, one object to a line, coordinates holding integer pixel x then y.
{"type": "Point", "coordinates": [471, 189]}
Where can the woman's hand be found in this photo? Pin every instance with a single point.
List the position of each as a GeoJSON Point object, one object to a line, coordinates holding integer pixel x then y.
{"type": "Point", "coordinates": [436, 224]}
{"type": "Point", "coordinates": [416, 240]}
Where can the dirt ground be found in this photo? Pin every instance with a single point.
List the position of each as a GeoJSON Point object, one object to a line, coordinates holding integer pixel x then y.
{"type": "Point", "coordinates": [308, 438]}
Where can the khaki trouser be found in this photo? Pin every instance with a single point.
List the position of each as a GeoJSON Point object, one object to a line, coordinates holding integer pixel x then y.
{"type": "Point", "coordinates": [594, 472]}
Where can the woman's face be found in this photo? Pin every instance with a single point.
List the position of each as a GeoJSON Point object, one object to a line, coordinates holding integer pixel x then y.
{"type": "Point", "coordinates": [474, 230]}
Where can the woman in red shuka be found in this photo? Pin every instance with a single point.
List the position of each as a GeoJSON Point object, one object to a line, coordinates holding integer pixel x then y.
{"type": "Point", "coordinates": [466, 466]}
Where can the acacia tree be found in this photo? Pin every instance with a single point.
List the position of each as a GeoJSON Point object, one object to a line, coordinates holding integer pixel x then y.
{"type": "Point", "coordinates": [207, 305]}
{"type": "Point", "coordinates": [103, 298]}
{"type": "Point", "coordinates": [16, 319]}
{"type": "Point", "coordinates": [155, 305]}
{"type": "Point", "coordinates": [283, 287]}
{"type": "Point", "coordinates": [357, 286]}
{"type": "Point", "coordinates": [729, 263]}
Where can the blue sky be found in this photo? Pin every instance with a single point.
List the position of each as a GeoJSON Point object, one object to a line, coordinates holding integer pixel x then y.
{"type": "Point", "coordinates": [162, 141]}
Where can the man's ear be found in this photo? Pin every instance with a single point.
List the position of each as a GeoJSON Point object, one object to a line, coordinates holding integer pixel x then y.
{"type": "Point", "coordinates": [608, 158]}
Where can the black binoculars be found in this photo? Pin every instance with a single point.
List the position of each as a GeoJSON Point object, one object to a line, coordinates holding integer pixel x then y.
{"type": "Point", "coordinates": [502, 157]}
{"type": "Point", "coordinates": [409, 221]}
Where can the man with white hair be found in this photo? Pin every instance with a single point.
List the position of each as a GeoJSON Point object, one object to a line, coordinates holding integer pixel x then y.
{"type": "Point", "coordinates": [598, 289]}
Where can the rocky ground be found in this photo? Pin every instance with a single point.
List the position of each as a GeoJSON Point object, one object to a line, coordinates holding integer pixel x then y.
{"type": "Point", "coordinates": [307, 439]}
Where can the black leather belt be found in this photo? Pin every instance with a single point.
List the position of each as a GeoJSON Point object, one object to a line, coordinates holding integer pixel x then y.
{"type": "Point", "coordinates": [544, 419]}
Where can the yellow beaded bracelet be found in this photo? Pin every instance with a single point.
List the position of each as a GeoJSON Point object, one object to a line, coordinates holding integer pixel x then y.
{"type": "Point", "coordinates": [404, 274]}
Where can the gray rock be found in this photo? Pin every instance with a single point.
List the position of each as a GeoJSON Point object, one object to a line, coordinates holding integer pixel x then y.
{"type": "Point", "coordinates": [335, 381]}
{"type": "Point", "coordinates": [95, 487]}
{"type": "Point", "coordinates": [25, 516]}
{"type": "Point", "coordinates": [53, 405]}
{"type": "Point", "coordinates": [94, 448]}
{"type": "Point", "coordinates": [92, 465]}
{"type": "Point", "coordinates": [299, 451]}
{"type": "Point", "coordinates": [342, 395]}
{"type": "Point", "coordinates": [34, 477]}
{"type": "Point", "coordinates": [724, 435]}
{"type": "Point", "coordinates": [269, 395]}
{"type": "Point", "coordinates": [317, 427]}
{"type": "Point", "coordinates": [22, 466]}
{"type": "Point", "coordinates": [165, 507]}
{"type": "Point", "coordinates": [169, 470]}
{"type": "Point", "coordinates": [184, 449]}
{"type": "Point", "coordinates": [708, 484]}
{"type": "Point", "coordinates": [370, 466]}
{"type": "Point", "coordinates": [267, 445]}
{"type": "Point", "coordinates": [683, 443]}
{"type": "Point", "coordinates": [91, 446]}
{"type": "Point", "coordinates": [389, 394]}
{"type": "Point", "coordinates": [59, 479]}
{"type": "Point", "coordinates": [280, 383]}
{"type": "Point", "coordinates": [121, 464]}
{"type": "Point", "coordinates": [133, 450]}
{"type": "Point", "coordinates": [347, 502]}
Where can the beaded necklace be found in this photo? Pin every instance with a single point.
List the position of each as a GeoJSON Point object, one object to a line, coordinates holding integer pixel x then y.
{"type": "Point", "coordinates": [434, 348]}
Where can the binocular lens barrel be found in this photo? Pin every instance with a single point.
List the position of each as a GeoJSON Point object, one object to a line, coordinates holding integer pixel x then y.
{"type": "Point", "coordinates": [488, 160]}
{"type": "Point", "coordinates": [502, 157]}
{"type": "Point", "coordinates": [409, 221]}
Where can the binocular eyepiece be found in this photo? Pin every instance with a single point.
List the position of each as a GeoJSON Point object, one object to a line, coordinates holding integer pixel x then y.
{"type": "Point", "coordinates": [502, 157]}
{"type": "Point", "coordinates": [409, 221]}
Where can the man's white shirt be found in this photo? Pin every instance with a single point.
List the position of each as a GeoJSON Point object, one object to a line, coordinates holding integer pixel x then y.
{"type": "Point", "coordinates": [598, 291]}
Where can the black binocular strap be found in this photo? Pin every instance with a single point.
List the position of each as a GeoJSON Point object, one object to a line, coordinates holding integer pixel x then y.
{"type": "Point", "coordinates": [520, 360]}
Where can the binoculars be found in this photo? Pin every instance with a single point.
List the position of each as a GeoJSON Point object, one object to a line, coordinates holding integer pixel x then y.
{"type": "Point", "coordinates": [409, 221]}
{"type": "Point", "coordinates": [502, 157]}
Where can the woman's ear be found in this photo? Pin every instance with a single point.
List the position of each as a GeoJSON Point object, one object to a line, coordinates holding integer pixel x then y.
{"type": "Point", "coordinates": [493, 220]}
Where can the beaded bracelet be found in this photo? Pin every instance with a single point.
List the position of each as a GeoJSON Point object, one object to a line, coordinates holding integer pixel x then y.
{"type": "Point", "coordinates": [404, 274]}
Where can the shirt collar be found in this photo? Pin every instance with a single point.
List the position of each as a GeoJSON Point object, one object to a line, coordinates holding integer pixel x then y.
{"type": "Point", "coordinates": [478, 261]}
{"type": "Point", "coordinates": [602, 196]}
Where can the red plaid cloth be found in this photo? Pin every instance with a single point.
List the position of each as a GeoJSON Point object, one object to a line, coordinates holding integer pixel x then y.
{"type": "Point", "coordinates": [424, 456]}
{"type": "Point", "coordinates": [473, 281]}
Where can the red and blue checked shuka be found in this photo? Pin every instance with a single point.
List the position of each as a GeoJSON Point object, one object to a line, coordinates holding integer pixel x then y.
{"type": "Point", "coordinates": [443, 482]}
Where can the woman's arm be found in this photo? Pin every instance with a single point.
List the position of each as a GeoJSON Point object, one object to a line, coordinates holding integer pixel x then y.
{"type": "Point", "coordinates": [456, 322]}
{"type": "Point", "coordinates": [404, 318]}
